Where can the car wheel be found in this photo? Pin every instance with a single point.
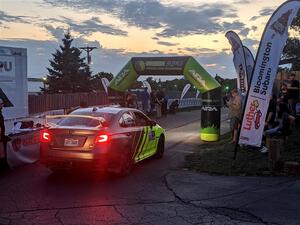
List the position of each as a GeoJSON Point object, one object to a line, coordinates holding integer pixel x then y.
{"type": "Point", "coordinates": [126, 165]}
{"type": "Point", "coordinates": [160, 148]}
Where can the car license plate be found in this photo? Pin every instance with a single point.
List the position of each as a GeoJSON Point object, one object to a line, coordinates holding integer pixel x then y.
{"type": "Point", "coordinates": [71, 142]}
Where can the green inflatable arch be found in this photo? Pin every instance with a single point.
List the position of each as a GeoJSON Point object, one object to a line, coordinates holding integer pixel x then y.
{"type": "Point", "coordinates": [191, 70]}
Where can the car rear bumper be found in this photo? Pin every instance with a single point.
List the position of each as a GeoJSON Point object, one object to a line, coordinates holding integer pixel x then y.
{"type": "Point", "coordinates": [71, 159]}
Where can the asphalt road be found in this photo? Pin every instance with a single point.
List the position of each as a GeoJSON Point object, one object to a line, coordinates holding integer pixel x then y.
{"type": "Point", "coordinates": [157, 191]}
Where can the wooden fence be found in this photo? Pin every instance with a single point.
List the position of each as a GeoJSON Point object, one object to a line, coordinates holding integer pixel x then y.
{"type": "Point", "coordinates": [43, 103]}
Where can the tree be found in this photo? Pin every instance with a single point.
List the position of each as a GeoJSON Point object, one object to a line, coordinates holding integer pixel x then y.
{"type": "Point", "coordinates": [96, 83]}
{"type": "Point", "coordinates": [292, 48]}
{"type": "Point", "coordinates": [68, 73]}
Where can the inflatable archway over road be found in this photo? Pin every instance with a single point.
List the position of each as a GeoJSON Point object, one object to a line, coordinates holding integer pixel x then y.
{"type": "Point", "coordinates": [191, 70]}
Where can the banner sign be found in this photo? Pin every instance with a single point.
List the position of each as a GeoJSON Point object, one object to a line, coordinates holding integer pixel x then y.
{"type": "Point", "coordinates": [177, 65]}
{"type": "Point", "coordinates": [239, 61]}
{"type": "Point", "coordinates": [157, 66]}
{"type": "Point", "coordinates": [264, 72]}
{"type": "Point", "coordinates": [105, 83]}
{"type": "Point", "coordinates": [23, 148]}
{"type": "Point", "coordinates": [249, 63]}
{"type": "Point", "coordinates": [7, 68]}
{"type": "Point", "coordinates": [13, 82]}
{"type": "Point", "coordinates": [185, 90]}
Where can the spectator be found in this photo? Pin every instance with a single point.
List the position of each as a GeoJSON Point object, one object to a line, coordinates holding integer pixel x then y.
{"type": "Point", "coordinates": [270, 121]}
{"type": "Point", "coordinates": [284, 120]}
{"type": "Point", "coordinates": [174, 106]}
{"type": "Point", "coordinates": [152, 101]}
{"type": "Point", "coordinates": [283, 94]}
{"type": "Point", "coordinates": [3, 161]}
{"type": "Point", "coordinates": [293, 93]}
{"type": "Point", "coordinates": [158, 103]}
{"type": "Point", "coordinates": [164, 105]}
{"type": "Point", "coordinates": [129, 100]}
{"type": "Point", "coordinates": [271, 114]}
{"type": "Point", "coordinates": [145, 100]}
{"type": "Point", "coordinates": [235, 109]}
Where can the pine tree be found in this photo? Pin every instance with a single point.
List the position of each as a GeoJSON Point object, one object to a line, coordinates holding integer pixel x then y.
{"type": "Point", "coordinates": [292, 48]}
{"type": "Point", "coordinates": [68, 73]}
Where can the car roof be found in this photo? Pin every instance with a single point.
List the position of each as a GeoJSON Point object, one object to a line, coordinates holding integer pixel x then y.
{"type": "Point", "coordinates": [107, 109]}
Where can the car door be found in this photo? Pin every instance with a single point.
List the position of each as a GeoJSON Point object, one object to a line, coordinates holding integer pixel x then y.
{"type": "Point", "coordinates": [126, 132]}
{"type": "Point", "coordinates": [143, 123]}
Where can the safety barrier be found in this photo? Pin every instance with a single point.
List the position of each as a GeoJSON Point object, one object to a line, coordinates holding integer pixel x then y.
{"type": "Point", "coordinates": [187, 102]}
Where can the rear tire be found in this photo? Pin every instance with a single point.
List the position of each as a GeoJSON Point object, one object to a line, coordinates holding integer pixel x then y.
{"type": "Point", "coordinates": [126, 165]}
{"type": "Point", "coordinates": [160, 148]}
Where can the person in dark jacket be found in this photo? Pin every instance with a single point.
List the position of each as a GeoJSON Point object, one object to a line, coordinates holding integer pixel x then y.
{"type": "Point", "coordinates": [3, 161]}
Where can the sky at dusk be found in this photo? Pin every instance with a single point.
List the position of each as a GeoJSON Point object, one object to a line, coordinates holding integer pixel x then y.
{"type": "Point", "coordinates": [122, 29]}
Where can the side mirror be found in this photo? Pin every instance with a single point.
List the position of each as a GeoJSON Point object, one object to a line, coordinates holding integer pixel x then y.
{"type": "Point", "coordinates": [152, 123]}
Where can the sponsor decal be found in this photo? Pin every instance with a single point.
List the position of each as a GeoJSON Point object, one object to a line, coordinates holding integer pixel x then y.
{"type": "Point", "coordinates": [197, 77]}
{"type": "Point", "coordinates": [281, 24]}
{"type": "Point", "coordinates": [122, 76]}
{"type": "Point", "coordinates": [234, 44]}
{"type": "Point", "coordinates": [242, 76]}
{"type": "Point", "coordinates": [5, 66]}
{"type": "Point", "coordinates": [151, 135]}
{"type": "Point", "coordinates": [209, 109]}
{"type": "Point", "coordinates": [139, 66]}
{"type": "Point", "coordinates": [258, 115]}
{"type": "Point", "coordinates": [253, 116]}
{"type": "Point", "coordinates": [263, 79]}
{"type": "Point", "coordinates": [17, 143]}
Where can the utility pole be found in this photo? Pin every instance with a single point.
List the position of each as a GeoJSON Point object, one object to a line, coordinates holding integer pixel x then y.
{"type": "Point", "coordinates": [88, 50]}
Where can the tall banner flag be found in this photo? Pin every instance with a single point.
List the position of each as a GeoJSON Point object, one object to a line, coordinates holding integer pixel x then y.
{"type": "Point", "coordinates": [197, 94]}
{"type": "Point", "coordinates": [105, 83]}
{"type": "Point", "coordinates": [264, 72]}
{"type": "Point", "coordinates": [249, 63]}
{"type": "Point", "coordinates": [185, 90]}
{"type": "Point", "coordinates": [239, 61]}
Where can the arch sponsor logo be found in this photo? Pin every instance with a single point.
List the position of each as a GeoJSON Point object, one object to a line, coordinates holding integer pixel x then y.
{"type": "Point", "coordinates": [198, 77]}
{"type": "Point", "coordinates": [209, 109]}
{"type": "Point", "coordinates": [139, 66]}
{"type": "Point", "coordinates": [281, 24]}
{"type": "Point", "coordinates": [121, 76]}
{"type": "Point", "coordinates": [253, 116]}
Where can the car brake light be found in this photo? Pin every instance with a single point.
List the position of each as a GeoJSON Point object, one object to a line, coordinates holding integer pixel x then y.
{"type": "Point", "coordinates": [102, 138]}
{"type": "Point", "coordinates": [46, 137]}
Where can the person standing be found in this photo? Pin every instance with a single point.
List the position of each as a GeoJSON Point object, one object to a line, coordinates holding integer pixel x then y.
{"type": "Point", "coordinates": [158, 103]}
{"type": "Point", "coordinates": [145, 100]}
{"type": "Point", "coordinates": [3, 161]}
{"type": "Point", "coordinates": [235, 111]}
{"type": "Point", "coordinates": [283, 94]}
{"type": "Point", "coordinates": [293, 93]}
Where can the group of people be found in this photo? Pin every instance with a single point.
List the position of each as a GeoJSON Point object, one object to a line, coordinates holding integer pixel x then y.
{"type": "Point", "coordinates": [281, 112]}
{"type": "Point", "coordinates": [159, 102]}
{"type": "Point", "coordinates": [155, 103]}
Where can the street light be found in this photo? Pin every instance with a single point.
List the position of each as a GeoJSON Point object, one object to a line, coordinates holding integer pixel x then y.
{"type": "Point", "coordinates": [44, 82]}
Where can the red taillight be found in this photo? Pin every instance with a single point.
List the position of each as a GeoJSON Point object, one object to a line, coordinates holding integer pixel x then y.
{"type": "Point", "coordinates": [102, 138]}
{"type": "Point", "coordinates": [46, 137]}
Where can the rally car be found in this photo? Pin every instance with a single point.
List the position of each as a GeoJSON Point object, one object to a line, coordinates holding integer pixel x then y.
{"type": "Point", "coordinates": [108, 138]}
